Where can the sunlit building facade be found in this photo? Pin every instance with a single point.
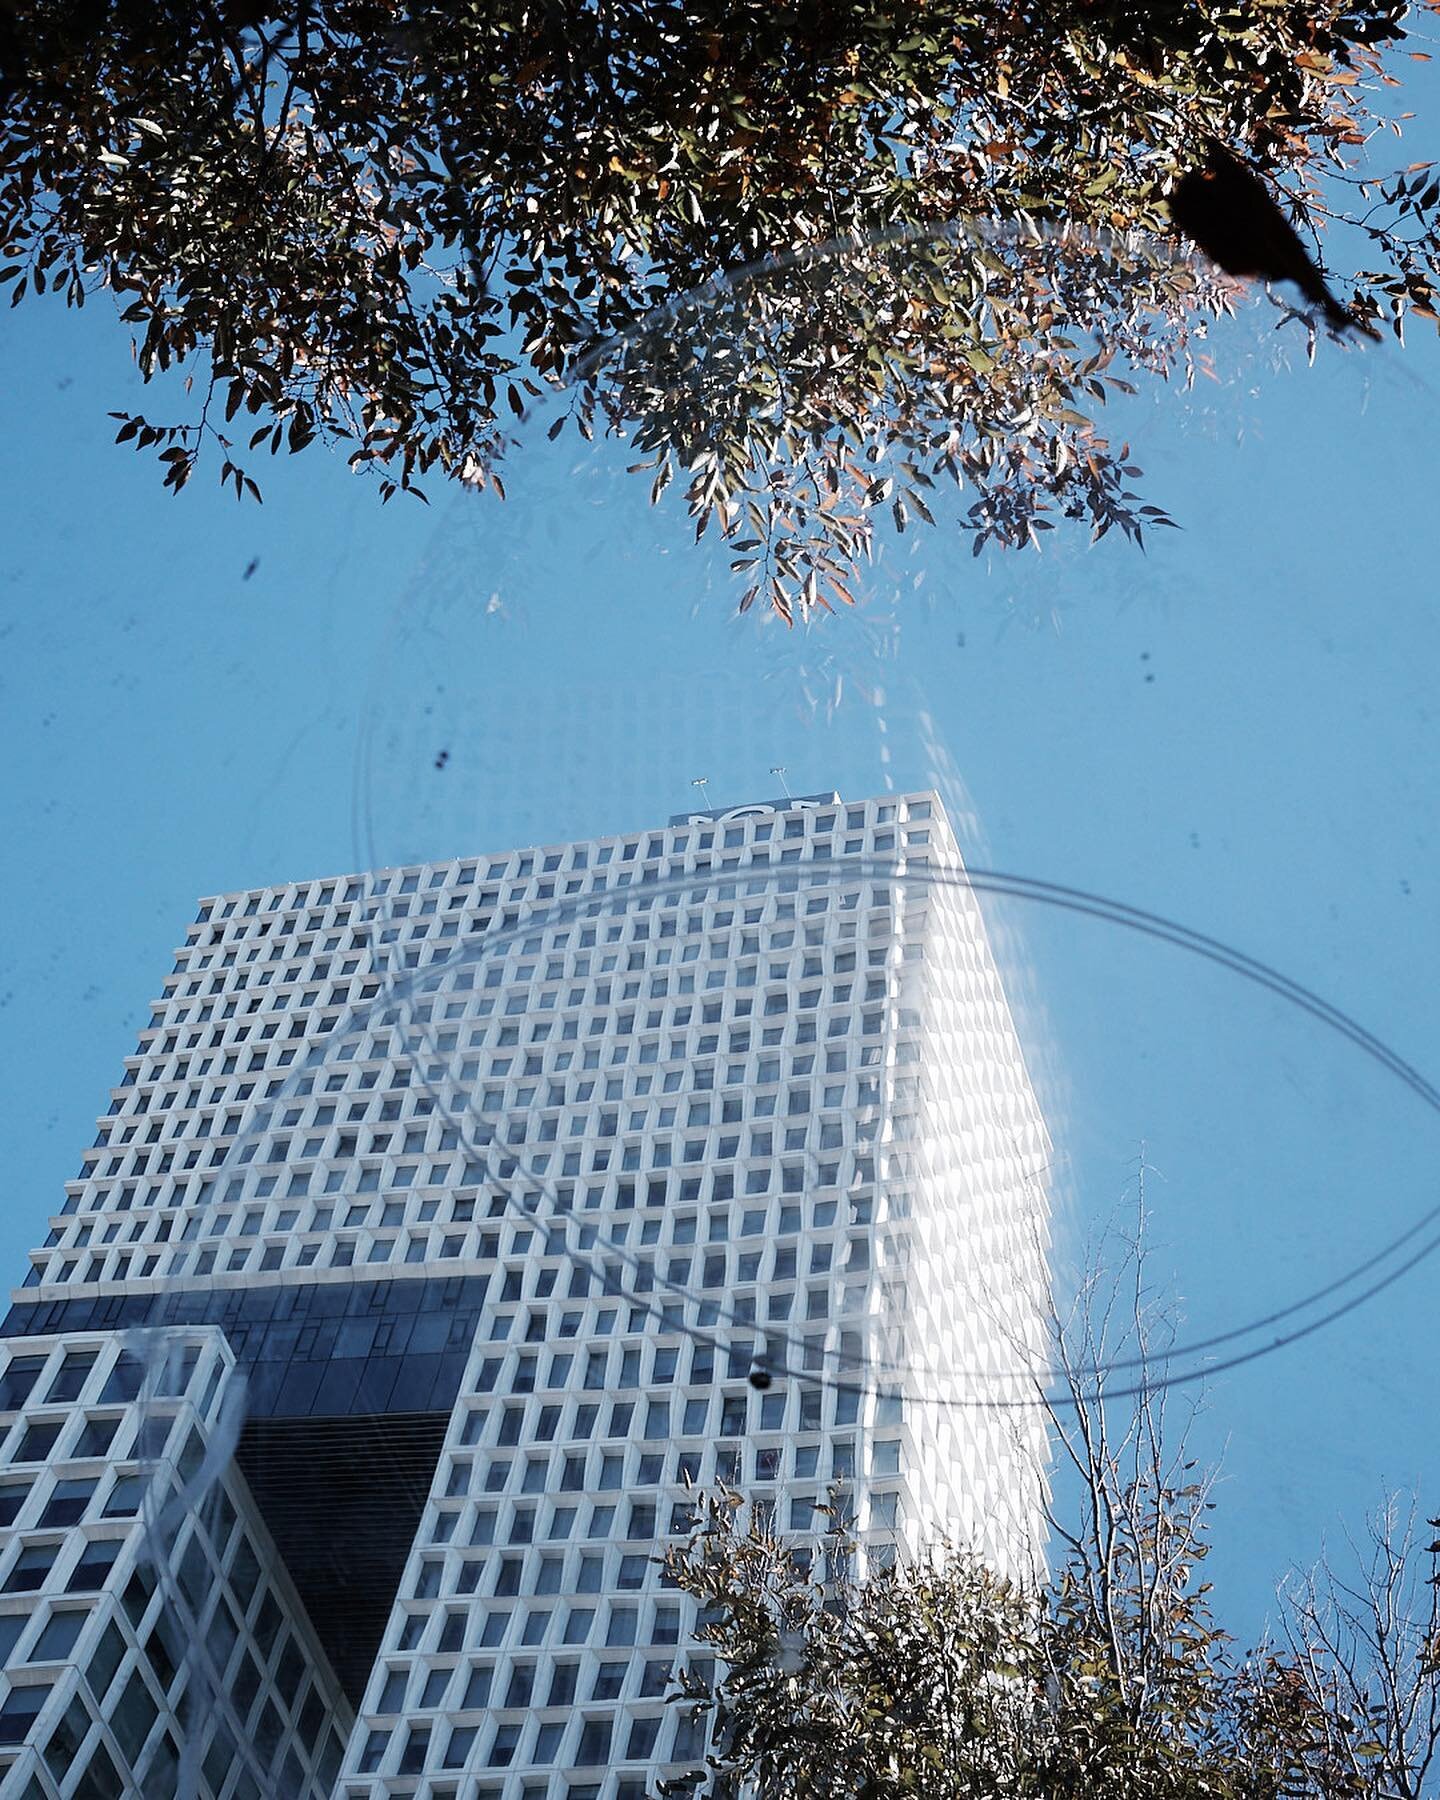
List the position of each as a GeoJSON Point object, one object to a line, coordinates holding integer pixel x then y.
{"type": "Point", "coordinates": [450, 1226]}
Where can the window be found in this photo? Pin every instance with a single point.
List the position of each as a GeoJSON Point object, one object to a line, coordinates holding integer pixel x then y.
{"type": "Point", "coordinates": [522, 1683]}
{"type": "Point", "coordinates": [124, 1380]}
{"type": "Point", "coordinates": [375, 1747]}
{"type": "Point", "coordinates": [71, 1376]}
{"type": "Point", "coordinates": [59, 1637]}
{"type": "Point", "coordinates": [124, 1499]}
{"type": "Point", "coordinates": [134, 1714]}
{"type": "Point", "coordinates": [96, 1437]}
{"type": "Point", "coordinates": [68, 1501]}
{"type": "Point", "coordinates": [623, 1622]}
{"type": "Point", "coordinates": [654, 1680]}
{"type": "Point", "coordinates": [477, 1688]}
{"type": "Point", "coordinates": [20, 1376]}
{"type": "Point", "coordinates": [94, 1565]}
{"type": "Point", "coordinates": [594, 1745]}
{"type": "Point", "coordinates": [457, 1751]}
{"type": "Point", "coordinates": [609, 1679]}
{"type": "Point", "coordinates": [109, 1654]}
{"type": "Point", "coordinates": [20, 1711]}
{"type": "Point", "coordinates": [883, 1511]}
{"type": "Point", "coordinates": [643, 1733]}
{"type": "Point", "coordinates": [503, 1746]}
{"type": "Point", "coordinates": [417, 1745]}
{"type": "Point", "coordinates": [885, 1457]}
{"type": "Point", "coordinates": [578, 1623]}
{"type": "Point", "coordinates": [13, 1495]}
{"type": "Point", "coordinates": [36, 1443]}
{"type": "Point", "coordinates": [67, 1737]}
{"type": "Point", "coordinates": [30, 1567]}
{"type": "Point", "coordinates": [101, 1778]}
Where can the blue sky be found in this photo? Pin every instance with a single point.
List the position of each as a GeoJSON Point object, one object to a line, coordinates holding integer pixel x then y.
{"type": "Point", "coordinates": [1238, 730]}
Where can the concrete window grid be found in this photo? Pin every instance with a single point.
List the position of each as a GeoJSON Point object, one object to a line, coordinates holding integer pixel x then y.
{"type": "Point", "coordinates": [520, 1536]}
{"type": "Point", "coordinates": [112, 1704]}
{"type": "Point", "coordinates": [282, 1239]}
{"type": "Point", "coordinates": [689, 1076]}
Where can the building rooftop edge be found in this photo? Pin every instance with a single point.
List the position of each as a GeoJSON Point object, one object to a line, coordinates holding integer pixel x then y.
{"type": "Point", "coordinates": [675, 821]}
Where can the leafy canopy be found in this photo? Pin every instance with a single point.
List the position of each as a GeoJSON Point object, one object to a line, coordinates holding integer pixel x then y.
{"type": "Point", "coordinates": [934, 1679]}
{"type": "Point", "coordinates": [398, 224]}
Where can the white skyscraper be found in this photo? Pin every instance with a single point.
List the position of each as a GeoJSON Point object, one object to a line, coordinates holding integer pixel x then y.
{"type": "Point", "coordinates": [461, 1201]}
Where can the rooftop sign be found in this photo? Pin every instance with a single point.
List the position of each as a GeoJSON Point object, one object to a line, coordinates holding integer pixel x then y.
{"type": "Point", "coordinates": [754, 809]}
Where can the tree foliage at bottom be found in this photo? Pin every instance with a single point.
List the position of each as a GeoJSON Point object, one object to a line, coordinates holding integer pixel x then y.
{"type": "Point", "coordinates": [938, 1680]}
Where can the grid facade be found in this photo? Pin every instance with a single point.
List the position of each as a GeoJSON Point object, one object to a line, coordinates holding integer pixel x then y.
{"type": "Point", "coordinates": [133, 1592]}
{"type": "Point", "coordinates": [558, 1148]}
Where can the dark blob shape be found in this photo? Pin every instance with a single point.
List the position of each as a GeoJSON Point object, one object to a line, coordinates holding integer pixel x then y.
{"type": "Point", "coordinates": [1227, 211]}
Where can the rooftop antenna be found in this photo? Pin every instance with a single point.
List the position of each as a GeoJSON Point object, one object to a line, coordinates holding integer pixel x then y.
{"type": "Point", "coordinates": [779, 769]}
